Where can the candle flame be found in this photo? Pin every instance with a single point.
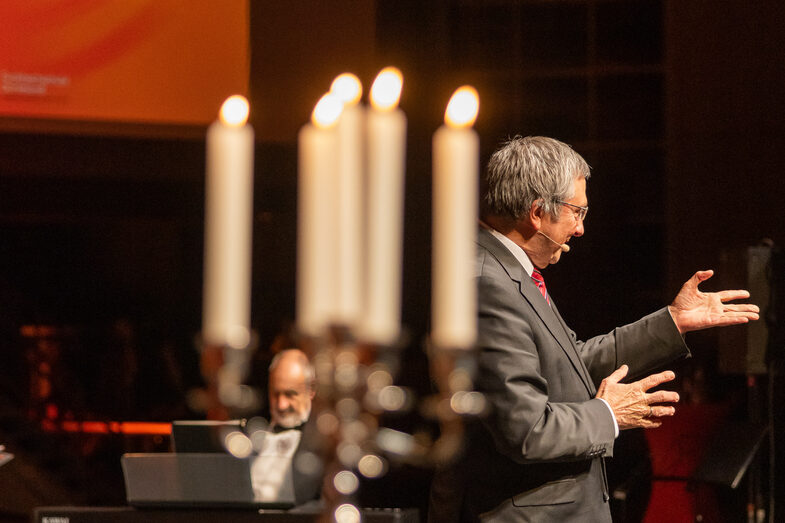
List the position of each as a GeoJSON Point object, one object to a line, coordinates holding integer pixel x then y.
{"type": "Point", "coordinates": [386, 89]}
{"type": "Point", "coordinates": [327, 111]}
{"type": "Point", "coordinates": [347, 88]}
{"type": "Point", "coordinates": [234, 111]}
{"type": "Point", "coordinates": [463, 107]}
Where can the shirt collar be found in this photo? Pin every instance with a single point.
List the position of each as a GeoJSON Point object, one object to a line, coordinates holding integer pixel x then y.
{"type": "Point", "coordinates": [516, 251]}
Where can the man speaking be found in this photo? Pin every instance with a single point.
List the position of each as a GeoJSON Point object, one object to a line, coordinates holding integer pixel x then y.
{"type": "Point", "coordinates": [557, 403]}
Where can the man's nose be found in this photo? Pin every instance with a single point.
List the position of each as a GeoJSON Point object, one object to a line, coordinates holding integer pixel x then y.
{"type": "Point", "coordinates": [282, 403]}
{"type": "Point", "coordinates": [579, 228]}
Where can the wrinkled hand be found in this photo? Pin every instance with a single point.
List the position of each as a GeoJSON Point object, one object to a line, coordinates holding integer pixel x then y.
{"type": "Point", "coordinates": [631, 404]}
{"type": "Point", "coordinates": [694, 310]}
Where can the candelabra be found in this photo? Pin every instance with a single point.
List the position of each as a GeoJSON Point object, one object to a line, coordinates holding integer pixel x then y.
{"type": "Point", "coordinates": [357, 386]}
{"type": "Point", "coordinates": [224, 368]}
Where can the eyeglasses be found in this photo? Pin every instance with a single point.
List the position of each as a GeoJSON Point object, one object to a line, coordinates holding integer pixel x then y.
{"type": "Point", "coordinates": [580, 212]}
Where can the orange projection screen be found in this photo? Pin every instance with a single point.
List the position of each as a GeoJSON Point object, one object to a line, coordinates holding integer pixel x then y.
{"type": "Point", "coordinates": [137, 61]}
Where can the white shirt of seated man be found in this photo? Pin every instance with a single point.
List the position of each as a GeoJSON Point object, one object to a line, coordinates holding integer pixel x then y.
{"type": "Point", "coordinates": [271, 470]}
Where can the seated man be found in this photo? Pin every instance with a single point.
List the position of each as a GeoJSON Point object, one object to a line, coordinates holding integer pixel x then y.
{"type": "Point", "coordinates": [291, 440]}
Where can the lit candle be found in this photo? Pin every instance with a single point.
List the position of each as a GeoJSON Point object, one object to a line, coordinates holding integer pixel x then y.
{"type": "Point", "coordinates": [348, 202]}
{"type": "Point", "coordinates": [316, 219]}
{"type": "Point", "coordinates": [384, 235]}
{"type": "Point", "coordinates": [228, 227]}
{"type": "Point", "coordinates": [456, 149]}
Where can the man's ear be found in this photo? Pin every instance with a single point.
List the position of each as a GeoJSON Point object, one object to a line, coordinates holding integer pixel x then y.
{"type": "Point", "coordinates": [536, 214]}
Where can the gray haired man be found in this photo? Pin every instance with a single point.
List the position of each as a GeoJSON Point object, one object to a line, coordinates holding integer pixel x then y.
{"type": "Point", "coordinates": [557, 403]}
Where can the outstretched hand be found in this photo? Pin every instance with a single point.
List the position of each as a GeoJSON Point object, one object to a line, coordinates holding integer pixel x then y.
{"type": "Point", "coordinates": [632, 406]}
{"type": "Point", "coordinates": [694, 310]}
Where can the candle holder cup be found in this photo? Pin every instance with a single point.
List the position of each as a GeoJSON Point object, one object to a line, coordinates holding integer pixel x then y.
{"type": "Point", "coordinates": [224, 368]}
{"type": "Point", "coordinates": [455, 404]}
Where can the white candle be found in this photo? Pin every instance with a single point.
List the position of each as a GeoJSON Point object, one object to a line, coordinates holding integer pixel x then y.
{"type": "Point", "coordinates": [348, 202]}
{"type": "Point", "coordinates": [316, 219]}
{"type": "Point", "coordinates": [381, 320]}
{"type": "Point", "coordinates": [455, 187]}
{"type": "Point", "coordinates": [228, 227]}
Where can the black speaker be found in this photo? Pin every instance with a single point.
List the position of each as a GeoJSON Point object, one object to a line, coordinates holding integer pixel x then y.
{"type": "Point", "coordinates": [742, 348]}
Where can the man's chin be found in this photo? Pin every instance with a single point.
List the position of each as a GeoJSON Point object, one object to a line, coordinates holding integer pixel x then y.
{"type": "Point", "coordinates": [289, 422]}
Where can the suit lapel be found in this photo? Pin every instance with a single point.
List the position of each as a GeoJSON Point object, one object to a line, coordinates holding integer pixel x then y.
{"type": "Point", "coordinates": [549, 315]}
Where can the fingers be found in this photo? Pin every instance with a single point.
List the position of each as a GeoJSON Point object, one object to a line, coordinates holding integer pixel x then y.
{"type": "Point", "coordinates": [655, 379]}
{"type": "Point", "coordinates": [663, 396]}
{"type": "Point", "coordinates": [742, 308]}
{"type": "Point", "coordinates": [738, 294]}
{"type": "Point", "coordinates": [647, 421]}
{"type": "Point", "coordinates": [743, 314]}
{"type": "Point", "coordinates": [650, 419]}
{"type": "Point", "coordinates": [736, 314]}
{"type": "Point", "coordinates": [734, 319]}
{"type": "Point", "coordinates": [630, 403]}
{"type": "Point", "coordinates": [661, 411]}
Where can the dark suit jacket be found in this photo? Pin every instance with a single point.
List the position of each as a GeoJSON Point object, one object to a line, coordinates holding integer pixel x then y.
{"type": "Point", "coordinates": [538, 456]}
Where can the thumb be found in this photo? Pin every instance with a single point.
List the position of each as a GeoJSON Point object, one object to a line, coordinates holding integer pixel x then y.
{"type": "Point", "coordinates": [618, 374]}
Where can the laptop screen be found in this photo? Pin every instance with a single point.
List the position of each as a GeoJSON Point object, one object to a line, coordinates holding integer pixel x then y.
{"type": "Point", "coordinates": [202, 436]}
{"type": "Point", "coordinates": [191, 479]}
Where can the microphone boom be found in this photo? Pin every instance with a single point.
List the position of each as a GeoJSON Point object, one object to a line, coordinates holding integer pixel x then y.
{"type": "Point", "coordinates": [563, 246]}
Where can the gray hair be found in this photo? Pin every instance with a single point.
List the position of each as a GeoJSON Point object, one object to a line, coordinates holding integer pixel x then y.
{"type": "Point", "coordinates": [301, 359]}
{"type": "Point", "coordinates": [527, 169]}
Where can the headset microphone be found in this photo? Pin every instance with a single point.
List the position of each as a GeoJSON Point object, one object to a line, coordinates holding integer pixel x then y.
{"type": "Point", "coordinates": [563, 246]}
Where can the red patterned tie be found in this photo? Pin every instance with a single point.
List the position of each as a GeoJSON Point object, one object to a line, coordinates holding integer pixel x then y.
{"type": "Point", "coordinates": [540, 282]}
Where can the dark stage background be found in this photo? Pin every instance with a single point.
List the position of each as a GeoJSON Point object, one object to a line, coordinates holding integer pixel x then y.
{"type": "Point", "coordinates": [677, 105]}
